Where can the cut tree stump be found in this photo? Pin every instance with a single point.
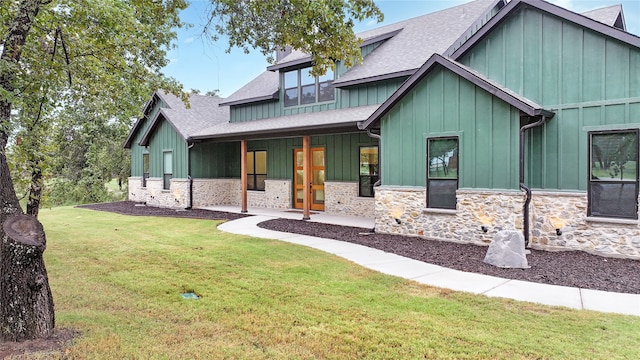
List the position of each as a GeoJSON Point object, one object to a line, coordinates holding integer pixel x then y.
{"type": "Point", "coordinates": [26, 304]}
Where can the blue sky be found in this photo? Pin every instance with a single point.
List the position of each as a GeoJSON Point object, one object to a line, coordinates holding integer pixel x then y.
{"type": "Point", "coordinates": [201, 64]}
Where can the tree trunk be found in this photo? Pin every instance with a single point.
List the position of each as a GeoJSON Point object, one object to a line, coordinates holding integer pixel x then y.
{"type": "Point", "coordinates": [35, 190]}
{"type": "Point", "coordinates": [26, 304]}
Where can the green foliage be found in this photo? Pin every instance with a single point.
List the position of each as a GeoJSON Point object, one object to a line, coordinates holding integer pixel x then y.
{"type": "Point", "coordinates": [83, 73]}
{"type": "Point", "coordinates": [117, 279]}
{"type": "Point", "coordinates": [323, 29]}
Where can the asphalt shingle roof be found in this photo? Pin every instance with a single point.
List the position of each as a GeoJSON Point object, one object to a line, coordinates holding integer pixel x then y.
{"type": "Point", "coordinates": [407, 50]}
{"type": "Point", "coordinates": [264, 86]}
{"type": "Point", "coordinates": [606, 15]}
{"type": "Point", "coordinates": [204, 111]}
{"type": "Point", "coordinates": [295, 124]}
{"type": "Point", "coordinates": [420, 38]}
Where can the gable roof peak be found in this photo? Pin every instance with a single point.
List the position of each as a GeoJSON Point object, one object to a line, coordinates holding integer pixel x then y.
{"type": "Point", "coordinates": [515, 5]}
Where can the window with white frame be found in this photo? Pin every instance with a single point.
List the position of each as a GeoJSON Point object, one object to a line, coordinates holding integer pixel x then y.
{"type": "Point", "coordinates": [167, 169]}
{"type": "Point", "coordinates": [300, 88]}
{"type": "Point", "coordinates": [442, 172]}
{"type": "Point", "coordinates": [613, 174]}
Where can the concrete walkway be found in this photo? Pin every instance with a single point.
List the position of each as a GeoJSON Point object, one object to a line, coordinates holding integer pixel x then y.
{"type": "Point", "coordinates": [429, 274]}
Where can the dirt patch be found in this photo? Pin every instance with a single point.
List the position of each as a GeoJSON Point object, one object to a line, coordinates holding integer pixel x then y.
{"type": "Point", "coordinates": [52, 347]}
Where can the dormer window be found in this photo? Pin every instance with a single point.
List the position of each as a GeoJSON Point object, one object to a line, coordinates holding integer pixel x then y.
{"type": "Point", "coordinates": [300, 88]}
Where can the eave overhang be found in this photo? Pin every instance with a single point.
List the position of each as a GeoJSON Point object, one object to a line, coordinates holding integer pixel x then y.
{"type": "Point", "coordinates": [351, 127]}
{"type": "Point", "coordinates": [307, 61]}
{"type": "Point", "coordinates": [524, 105]}
{"type": "Point", "coordinates": [401, 74]}
{"type": "Point", "coordinates": [267, 98]}
{"type": "Point", "coordinates": [148, 106]}
{"type": "Point", "coordinates": [155, 122]}
{"type": "Point", "coordinates": [455, 52]}
{"type": "Point", "coordinates": [314, 123]}
{"type": "Point", "coordinates": [295, 64]}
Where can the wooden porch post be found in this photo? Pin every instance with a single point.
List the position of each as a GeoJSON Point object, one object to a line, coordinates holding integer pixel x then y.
{"type": "Point", "coordinates": [306, 178]}
{"type": "Point", "coordinates": [243, 173]}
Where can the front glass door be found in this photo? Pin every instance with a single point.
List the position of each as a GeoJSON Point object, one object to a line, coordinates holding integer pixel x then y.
{"type": "Point", "coordinates": [317, 177]}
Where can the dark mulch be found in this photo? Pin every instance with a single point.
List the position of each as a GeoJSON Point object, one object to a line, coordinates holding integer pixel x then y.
{"type": "Point", "coordinates": [568, 268]}
{"type": "Point", "coordinates": [132, 208]}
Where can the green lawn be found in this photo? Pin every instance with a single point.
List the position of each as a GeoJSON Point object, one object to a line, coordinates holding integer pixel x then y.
{"type": "Point", "coordinates": [118, 280]}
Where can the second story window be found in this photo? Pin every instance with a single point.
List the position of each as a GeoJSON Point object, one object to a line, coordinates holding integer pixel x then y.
{"type": "Point", "coordinates": [300, 88]}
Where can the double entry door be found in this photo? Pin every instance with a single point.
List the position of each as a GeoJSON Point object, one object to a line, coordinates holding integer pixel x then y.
{"type": "Point", "coordinates": [317, 178]}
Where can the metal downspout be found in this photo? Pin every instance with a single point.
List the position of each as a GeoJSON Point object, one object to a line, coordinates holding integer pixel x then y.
{"type": "Point", "coordinates": [525, 188]}
{"type": "Point", "coordinates": [377, 136]}
{"type": "Point", "coordinates": [190, 145]}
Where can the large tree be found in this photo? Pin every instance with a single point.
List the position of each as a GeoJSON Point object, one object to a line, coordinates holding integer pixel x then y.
{"type": "Point", "coordinates": [58, 54]}
{"type": "Point", "coordinates": [323, 29]}
{"type": "Point", "coordinates": [109, 53]}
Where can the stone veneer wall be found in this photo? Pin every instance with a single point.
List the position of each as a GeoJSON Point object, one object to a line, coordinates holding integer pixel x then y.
{"type": "Point", "coordinates": [276, 195]}
{"type": "Point", "coordinates": [342, 198]}
{"type": "Point", "coordinates": [503, 211]}
{"type": "Point", "coordinates": [602, 236]}
{"type": "Point", "coordinates": [208, 192]}
{"type": "Point", "coordinates": [154, 195]}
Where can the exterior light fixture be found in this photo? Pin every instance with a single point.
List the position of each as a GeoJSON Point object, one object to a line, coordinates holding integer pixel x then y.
{"type": "Point", "coordinates": [485, 220]}
{"type": "Point", "coordinates": [557, 224]}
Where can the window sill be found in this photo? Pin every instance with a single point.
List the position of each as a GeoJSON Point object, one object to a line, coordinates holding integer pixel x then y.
{"type": "Point", "coordinates": [166, 190]}
{"type": "Point", "coordinates": [611, 220]}
{"type": "Point", "coordinates": [439, 211]}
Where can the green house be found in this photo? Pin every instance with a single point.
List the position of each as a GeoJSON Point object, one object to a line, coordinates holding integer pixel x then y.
{"type": "Point", "coordinates": [530, 124]}
{"type": "Point", "coordinates": [459, 123]}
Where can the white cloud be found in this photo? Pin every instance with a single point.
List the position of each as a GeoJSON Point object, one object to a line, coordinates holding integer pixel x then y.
{"type": "Point", "coordinates": [189, 40]}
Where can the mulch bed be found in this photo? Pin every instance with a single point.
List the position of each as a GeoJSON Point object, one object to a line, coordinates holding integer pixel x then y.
{"type": "Point", "coordinates": [567, 268]}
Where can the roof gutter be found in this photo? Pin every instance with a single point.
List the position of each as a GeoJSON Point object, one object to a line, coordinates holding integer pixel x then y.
{"type": "Point", "coordinates": [379, 138]}
{"type": "Point", "coordinates": [189, 146]}
{"type": "Point", "coordinates": [523, 186]}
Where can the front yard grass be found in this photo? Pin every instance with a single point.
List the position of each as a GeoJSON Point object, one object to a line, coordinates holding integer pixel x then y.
{"type": "Point", "coordinates": [118, 280]}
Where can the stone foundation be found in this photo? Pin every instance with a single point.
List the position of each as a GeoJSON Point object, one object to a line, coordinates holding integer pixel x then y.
{"type": "Point", "coordinates": [402, 211]}
{"type": "Point", "coordinates": [209, 192]}
{"type": "Point", "coordinates": [154, 195]}
{"type": "Point", "coordinates": [342, 198]}
{"type": "Point", "coordinates": [276, 195]}
{"type": "Point", "coordinates": [568, 212]}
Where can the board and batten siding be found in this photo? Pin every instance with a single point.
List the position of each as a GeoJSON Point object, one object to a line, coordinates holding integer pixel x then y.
{"type": "Point", "coordinates": [589, 80]}
{"type": "Point", "coordinates": [137, 150]}
{"type": "Point", "coordinates": [341, 155]}
{"type": "Point", "coordinates": [215, 160]}
{"type": "Point", "coordinates": [444, 104]}
{"type": "Point", "coordinates": [165, 138]}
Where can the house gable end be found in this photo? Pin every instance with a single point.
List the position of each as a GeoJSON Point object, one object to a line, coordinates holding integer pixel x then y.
{"type": "Point", "coordinates": [526, 106]}
{"type": "Point", "coordinates": [515, 5]}
{"type": "Point", "coordinates": [554, 56]}
{"type": "Point", "coordinates": [150, 110]}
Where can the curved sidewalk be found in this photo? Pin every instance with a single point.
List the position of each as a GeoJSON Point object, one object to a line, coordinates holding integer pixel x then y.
{"type": "Point", "coordinates": [439, 276]}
